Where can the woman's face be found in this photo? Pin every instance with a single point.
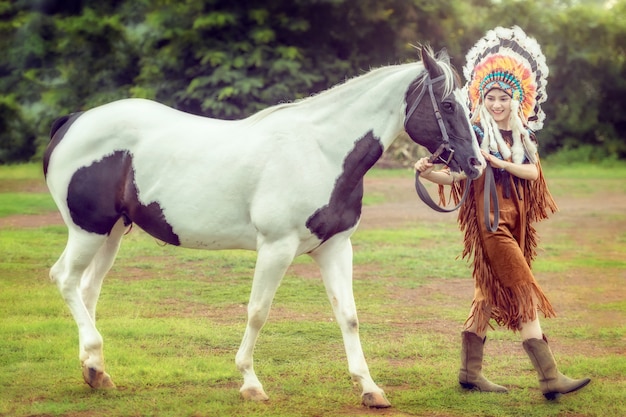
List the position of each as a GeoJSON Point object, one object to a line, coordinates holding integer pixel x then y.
{"type": "Point", "coordinates": [498, 104]}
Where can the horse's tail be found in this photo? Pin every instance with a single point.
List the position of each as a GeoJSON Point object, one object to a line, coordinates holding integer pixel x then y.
{"type": "Point", "coordinates": [57, 131]}
{"type": "Point", "coordinates": [56, 125]}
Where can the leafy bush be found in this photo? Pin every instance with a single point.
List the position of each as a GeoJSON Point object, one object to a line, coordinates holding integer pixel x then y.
{"type": "Point", "coordinates": [17, 138]}
{"type": "Point", "coordinates": [228, 59]}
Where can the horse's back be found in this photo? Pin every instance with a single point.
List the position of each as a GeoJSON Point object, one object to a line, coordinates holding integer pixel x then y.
{"type": "Point", "coordinates": [133, 125]}
{"type": "Point", "coordinates": [208, 178]}
{"type": "Point", "coordinates": [134, 115]}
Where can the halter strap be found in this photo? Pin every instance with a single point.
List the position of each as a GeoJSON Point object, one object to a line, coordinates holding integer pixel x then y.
{"type": "Point", "coordinates": [490, 193]}
{"type": "Point", "coordinates": [445, 146]}
{"type": "Point", "coordinates": [445, 139]}
{"type": "Point", "coordinates": [428, 82]}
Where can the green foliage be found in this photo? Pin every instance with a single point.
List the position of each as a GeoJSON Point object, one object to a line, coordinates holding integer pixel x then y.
{"type": "Point", "coordinates": [228, 59]}
{"type": "Point", "coordinates": [17, 138]}
{"type": "Point", "coordinates": [584, 154]}
{"type": "Point", "coordinates": [588, 73]}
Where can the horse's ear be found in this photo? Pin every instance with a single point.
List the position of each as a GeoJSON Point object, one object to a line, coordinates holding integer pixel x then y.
{"type": "Point", "coordinates": [429, 62]}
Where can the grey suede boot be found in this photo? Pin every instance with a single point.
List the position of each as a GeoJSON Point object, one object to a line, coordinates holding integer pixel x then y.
{"type": "Point", "coordinates": [470, 376]}
{"type": "Point", "coordinates": [551, 381]}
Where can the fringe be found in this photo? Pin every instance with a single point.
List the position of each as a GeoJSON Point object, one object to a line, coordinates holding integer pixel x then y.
{"type": "Point", "coordinates": [543, 206]}
{"type": "Point", "coordinates": [521, 305]}
{"type": "Point", "coordinates": [512, 305]}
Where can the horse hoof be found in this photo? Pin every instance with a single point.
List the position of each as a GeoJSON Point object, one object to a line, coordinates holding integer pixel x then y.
{"type": "Point", "coordinates": [97, 379]}
{"type": "Point", "coordinates": [375, 400]}
{"type": "Point", "coordinates": [254, 394]}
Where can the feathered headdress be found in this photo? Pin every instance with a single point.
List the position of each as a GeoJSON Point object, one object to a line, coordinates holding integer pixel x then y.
{"type": "Point", "coordinates": [509, 60]}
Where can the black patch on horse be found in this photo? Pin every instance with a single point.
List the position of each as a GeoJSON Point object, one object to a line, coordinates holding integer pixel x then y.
{"type": "Point", "coordinates": [344, 208]}
{"type": "Point", "coordinates": [57, 132]}
{"type": "Point", "coordinates": [100, 194]}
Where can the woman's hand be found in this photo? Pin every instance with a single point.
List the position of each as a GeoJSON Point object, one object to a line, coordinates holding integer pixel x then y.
{"type": "Point", "coordinates": [493, 160]}
{"type": "Point", "coordinates": [423, 166]}
{"type": "Point", "coordinates": [426, 170]}
{"type": "Point", "coordinates": [523, 171]}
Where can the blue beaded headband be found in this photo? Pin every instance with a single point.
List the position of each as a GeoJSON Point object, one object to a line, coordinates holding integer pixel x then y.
{"type": "Point", "coordinates": [504, 81]}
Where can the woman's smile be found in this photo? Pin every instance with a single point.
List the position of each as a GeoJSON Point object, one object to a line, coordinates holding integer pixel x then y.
{"type": "Point", "coordinates": [498, 104]}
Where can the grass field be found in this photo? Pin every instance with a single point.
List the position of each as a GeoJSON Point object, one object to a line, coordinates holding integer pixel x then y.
{"type": "Point", "coordinates": [172, 319]}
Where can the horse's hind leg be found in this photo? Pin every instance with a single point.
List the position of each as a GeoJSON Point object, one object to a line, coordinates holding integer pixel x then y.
{"type": "Point", "coordinates": [91, 281]}
{"type": "Point", "coordinates": [77, 261]}
{"type": "Point", "coordinates": [335, 261]}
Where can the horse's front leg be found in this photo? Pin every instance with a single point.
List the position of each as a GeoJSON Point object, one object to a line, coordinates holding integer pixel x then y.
{"type": "Point", "coordinates": [273, 259]}
{"type": "Point", "coordinates": [335, 261]}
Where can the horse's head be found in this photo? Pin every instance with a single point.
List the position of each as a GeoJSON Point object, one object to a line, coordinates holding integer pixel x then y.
{"type": "Point", "coordinates": [438, 119]}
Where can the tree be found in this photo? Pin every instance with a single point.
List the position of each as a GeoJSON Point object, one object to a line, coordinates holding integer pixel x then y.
{"type": "Point", "coordinates": [587, 83]}
{"type": "Point", "coordinates": [238, 58]}
{"type": "Point", "coordinates": [228, 59]}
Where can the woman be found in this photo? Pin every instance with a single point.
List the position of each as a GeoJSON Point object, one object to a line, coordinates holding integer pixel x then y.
{"type": "Point", "coordinates": [506, 72]}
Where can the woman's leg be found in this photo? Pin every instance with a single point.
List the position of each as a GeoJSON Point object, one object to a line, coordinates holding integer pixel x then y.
{"type": "Point", "coordinates": [531, 329]}
{"type": "Point", "coordinates": [472, 343]}
{"type": "Point", "coordinates": [552, 382]}
{"type": "Point", "coordinates": [478, 322]}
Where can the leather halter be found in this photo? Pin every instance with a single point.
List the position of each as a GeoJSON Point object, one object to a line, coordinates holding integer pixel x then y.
{"type": "Point", "coordinates": [490, 192]}
{"type": "Point", "coordinates": [444, 153]}
{"type": "Point", "coordinates": [445, 145]}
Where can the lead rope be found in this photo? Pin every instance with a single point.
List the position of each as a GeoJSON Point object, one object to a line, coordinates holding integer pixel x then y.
{"type": "Point", "coordinates": [423, 194]}
{"type": "Point", "coordinates": [490, 193]}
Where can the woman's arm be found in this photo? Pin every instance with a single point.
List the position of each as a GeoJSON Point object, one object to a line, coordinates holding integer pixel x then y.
{"type": "Point", "coordinates": [426, 171]}
{"type": "Point", "coordinates": [523, 171]}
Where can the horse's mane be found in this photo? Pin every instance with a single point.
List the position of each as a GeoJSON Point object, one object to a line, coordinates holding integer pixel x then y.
{"type": "Point", "coordinates": [452, 82]}
{"type": "Point", "coordinates": [349, 82]}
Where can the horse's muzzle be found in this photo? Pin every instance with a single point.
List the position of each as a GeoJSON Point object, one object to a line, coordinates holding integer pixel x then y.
{"type": "Point", "coordinates": [474, 168]}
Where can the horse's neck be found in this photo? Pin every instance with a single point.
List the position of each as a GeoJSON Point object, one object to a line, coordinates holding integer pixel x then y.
{"type": "Point", "coordinates": [374, 102]}
{"type": "Point", "coordinates": [335, 118]}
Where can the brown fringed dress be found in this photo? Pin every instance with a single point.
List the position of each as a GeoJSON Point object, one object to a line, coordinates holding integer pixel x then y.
{"type": "Point", "coordinates": [502, 260]}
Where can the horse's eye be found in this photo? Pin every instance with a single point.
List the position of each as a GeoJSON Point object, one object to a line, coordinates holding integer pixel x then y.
{"type": "Point", "coordinates": [449, 107]}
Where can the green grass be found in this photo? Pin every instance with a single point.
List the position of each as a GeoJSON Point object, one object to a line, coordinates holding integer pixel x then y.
{"type": "Point", "coordinates": [21, 171]}
{"type": "Point", "coordinates": [172, 320]}
{"type": "Point", "coordinates": [21, 203]}
{"type": "Point", "coordinates": [579, 180]}
{"type": "Point", "coordinates": [20, 190]}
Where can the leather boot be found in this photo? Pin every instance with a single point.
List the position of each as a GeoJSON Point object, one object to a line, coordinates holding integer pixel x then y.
{"type": "Point", "coordinates": [551, 381]}
{"type": "Point", "coordinates": [470, 376]}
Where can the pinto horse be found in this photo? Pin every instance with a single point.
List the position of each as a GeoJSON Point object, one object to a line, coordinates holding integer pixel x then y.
{"type": "Point", "coordinates": [284, 182]}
